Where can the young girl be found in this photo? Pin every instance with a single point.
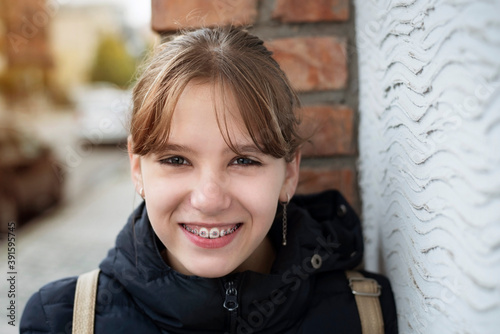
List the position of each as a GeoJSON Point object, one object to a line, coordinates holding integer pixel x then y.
{"type": "Point", "coordinates": [219, 244]}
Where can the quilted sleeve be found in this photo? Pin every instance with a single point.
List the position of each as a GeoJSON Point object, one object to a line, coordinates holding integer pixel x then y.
{"type": "Point", "coordinates": [50, 310]}
{"type": "Point", "coordinates": [33, 320]}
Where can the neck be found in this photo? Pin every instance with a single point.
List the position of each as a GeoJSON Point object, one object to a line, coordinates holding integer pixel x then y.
{"type": "Point", "coordinates": [261, 260]}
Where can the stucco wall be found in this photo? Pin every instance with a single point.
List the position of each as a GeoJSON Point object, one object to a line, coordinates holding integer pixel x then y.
{"type": "Point", "coordinates": [429, 141]}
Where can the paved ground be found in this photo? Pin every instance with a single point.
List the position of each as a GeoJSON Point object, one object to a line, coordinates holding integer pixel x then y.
{"type": "Point", "coordinates": [75, 237]}
{"type": "Point", "coordinates": [68, 241]}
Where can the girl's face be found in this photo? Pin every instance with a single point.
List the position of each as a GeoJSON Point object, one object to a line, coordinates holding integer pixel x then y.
{"type": "Point", "coordinates": [210, 207]}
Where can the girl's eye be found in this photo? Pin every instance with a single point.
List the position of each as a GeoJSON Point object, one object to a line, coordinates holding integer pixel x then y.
{"type": "Point", "coordinates": [245, 162]}
{"type": "Point", "coordinates": [176, 161]}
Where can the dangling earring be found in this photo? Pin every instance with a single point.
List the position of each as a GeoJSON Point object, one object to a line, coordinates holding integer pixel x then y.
{"type": "Point", "coordinates": [141, 193]}
{"type": "Point", "coordinates": [285, 223]}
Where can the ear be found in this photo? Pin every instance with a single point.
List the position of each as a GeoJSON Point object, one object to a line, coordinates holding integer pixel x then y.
{"type": "Point", "coordinates": [135, 166]}
{"type": "Point", "coordinates": [291, 178]}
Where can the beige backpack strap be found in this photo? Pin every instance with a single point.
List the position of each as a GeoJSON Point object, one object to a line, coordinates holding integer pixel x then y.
{"type": "Point", "coordinates": [84, 306]}
{"type": "Point", "coordinates": [366, 292]}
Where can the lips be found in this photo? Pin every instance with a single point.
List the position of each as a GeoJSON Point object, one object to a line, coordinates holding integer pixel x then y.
{"type": "Point", "coordinates": [211, 236]}
{"type": "Point", "coordinates": [211, 232]}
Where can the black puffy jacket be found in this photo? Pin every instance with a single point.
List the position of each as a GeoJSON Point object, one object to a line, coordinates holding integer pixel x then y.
{"type": "Point", "coordinates": [139, 293]}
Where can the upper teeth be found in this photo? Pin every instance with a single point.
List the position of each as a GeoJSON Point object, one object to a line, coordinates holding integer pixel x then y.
{"type": "Point", "coordinates": [213, 233]}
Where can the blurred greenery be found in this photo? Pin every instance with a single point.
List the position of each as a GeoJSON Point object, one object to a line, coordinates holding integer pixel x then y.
{"type": "Point", "coordinates": [113, 63]}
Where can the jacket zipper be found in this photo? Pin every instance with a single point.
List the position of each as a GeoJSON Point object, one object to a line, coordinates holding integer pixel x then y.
{"type": "Point", "coordinates": [231, 303]}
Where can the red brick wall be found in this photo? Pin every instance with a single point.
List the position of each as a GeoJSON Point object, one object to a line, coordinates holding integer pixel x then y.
{"type": "Point", "coordinates": [310, 39]}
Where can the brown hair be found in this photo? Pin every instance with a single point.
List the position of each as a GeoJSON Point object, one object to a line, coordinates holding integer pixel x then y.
{"type": "Point", "coordinates": [227, 57]}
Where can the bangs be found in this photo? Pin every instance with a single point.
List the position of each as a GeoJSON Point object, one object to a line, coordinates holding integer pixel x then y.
{"type": "Point", "coordinates": [238, 66]}
{"type": "Point", "coordinates": [157, 112]}
{"type": "Point", "coordinates": [255, 111]}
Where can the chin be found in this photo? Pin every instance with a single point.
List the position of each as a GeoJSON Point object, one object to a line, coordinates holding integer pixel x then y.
{"type": "Point", "coordinates": [211, 271]}
{"type": "Point", "coordinates": [211, 275]}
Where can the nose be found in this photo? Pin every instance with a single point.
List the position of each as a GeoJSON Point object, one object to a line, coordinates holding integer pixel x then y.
{"type": "Point", "coordinates": [210, 195]}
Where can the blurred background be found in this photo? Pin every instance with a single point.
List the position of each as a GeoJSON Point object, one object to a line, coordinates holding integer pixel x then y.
{"type": "Point", "coordinates": [66, 69]}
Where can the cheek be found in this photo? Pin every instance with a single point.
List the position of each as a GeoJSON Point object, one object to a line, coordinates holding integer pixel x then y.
{"type": "Point", "coordinates": [260, 196]}
{"type": "Point", "coordinates": [163, 195]}
{"type": "Point", "coordinates": [162, 202]}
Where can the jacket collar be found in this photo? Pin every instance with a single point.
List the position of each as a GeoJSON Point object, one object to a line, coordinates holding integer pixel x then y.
{"type": "Point", "coordinates": [176, 302]}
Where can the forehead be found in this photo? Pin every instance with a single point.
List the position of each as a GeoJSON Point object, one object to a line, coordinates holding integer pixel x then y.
{"type": "Point", "coordinates": [207, 99]}
{"type": "Point", "coordinates": [204, 108]}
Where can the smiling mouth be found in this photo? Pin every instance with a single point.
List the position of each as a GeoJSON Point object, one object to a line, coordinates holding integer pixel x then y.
{"type": "Point", "coordinates": [212, 233]}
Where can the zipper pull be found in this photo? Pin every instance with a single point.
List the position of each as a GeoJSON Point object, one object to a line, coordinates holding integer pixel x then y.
{"type": "Point", "coordinates": [231, 301]}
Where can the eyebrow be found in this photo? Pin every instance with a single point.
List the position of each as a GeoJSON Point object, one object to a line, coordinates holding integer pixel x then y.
{"type": "Point", "coordinates": [176, 148]}
{"type": "Point", "coordinates": [242, 148]}
{"type": "Point", "coordinates": [247, 148]}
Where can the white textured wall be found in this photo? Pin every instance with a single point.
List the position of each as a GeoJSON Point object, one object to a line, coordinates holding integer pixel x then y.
{"type": "Point", "coordinates": [429, 142]}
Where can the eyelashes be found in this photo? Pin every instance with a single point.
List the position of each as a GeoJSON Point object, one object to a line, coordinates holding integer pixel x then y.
{"type": "Point", "coordinates": [174, 161]}
{"type": "Point", "coordinates": [244, 161]}
{"type": "Point", "coordinates": [178, 161]}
